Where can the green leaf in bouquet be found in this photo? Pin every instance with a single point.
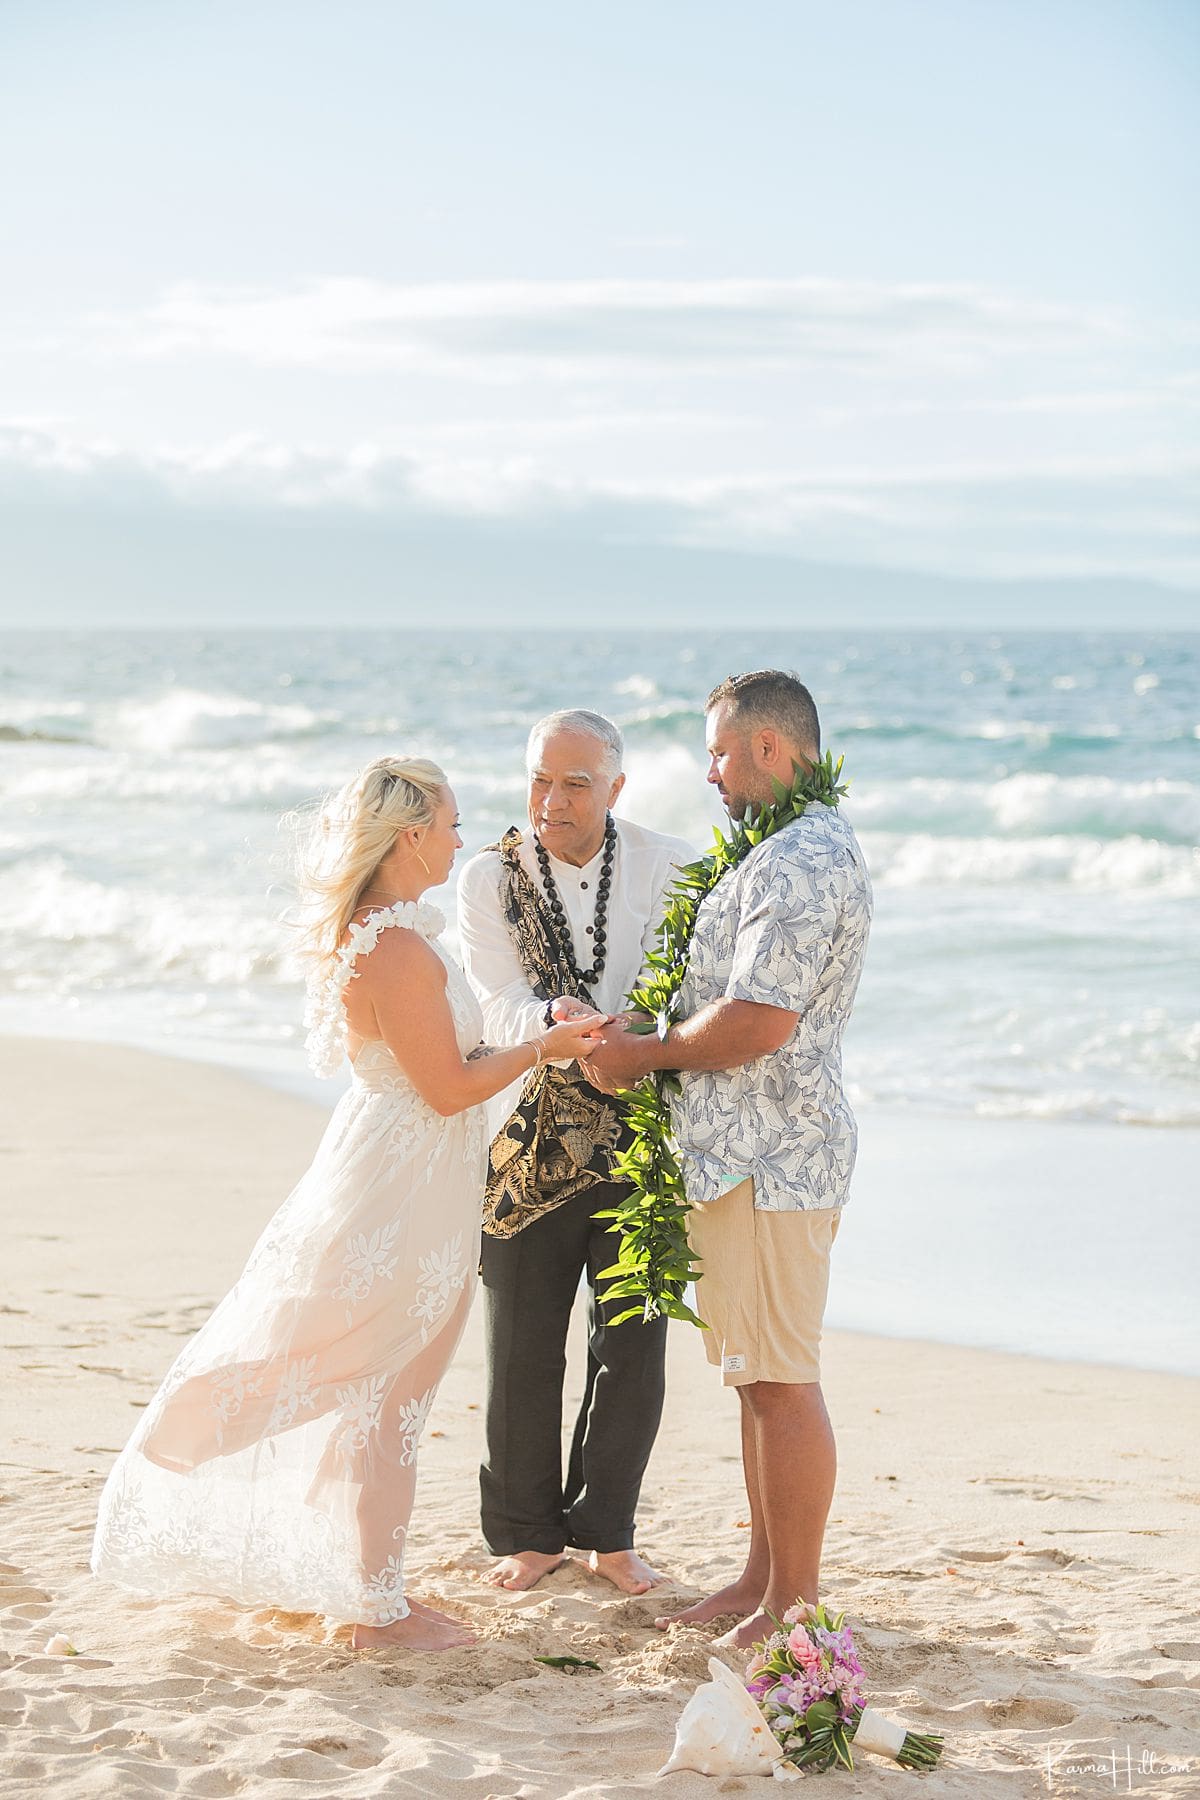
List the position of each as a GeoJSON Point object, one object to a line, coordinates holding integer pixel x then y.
{"type": "Point", "coordinates": [841, 1747]}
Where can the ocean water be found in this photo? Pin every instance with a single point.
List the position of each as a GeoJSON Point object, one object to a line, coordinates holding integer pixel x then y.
{"type": "Point", "coordinates": [1029, 804]}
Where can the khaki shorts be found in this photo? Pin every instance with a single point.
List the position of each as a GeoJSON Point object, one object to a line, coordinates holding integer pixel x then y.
{"type": "Point", "coordinates": [763, 1283]}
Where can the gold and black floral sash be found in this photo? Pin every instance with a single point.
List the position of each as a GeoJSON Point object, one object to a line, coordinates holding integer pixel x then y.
{"type": "Point", "coordinates": [564, 1132]}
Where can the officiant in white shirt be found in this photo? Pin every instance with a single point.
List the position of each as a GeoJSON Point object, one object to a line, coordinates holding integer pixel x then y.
{"type": "Point", "coordinates": [559, 915]}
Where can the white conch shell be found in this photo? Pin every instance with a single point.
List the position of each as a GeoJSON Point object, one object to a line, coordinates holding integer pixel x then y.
{"type": "Point", "coordinates": [722, 1732]}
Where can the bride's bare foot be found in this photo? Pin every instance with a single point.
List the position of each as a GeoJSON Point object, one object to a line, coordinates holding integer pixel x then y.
{"type": "Point", "coordinates": [625, 1569]}
{"type": "Point", "coordinates": [423, 1629]}
{"type": "Point", "coordinates": [523, 1570]}
{"type": "Point", "coordinates": [738, 1599]}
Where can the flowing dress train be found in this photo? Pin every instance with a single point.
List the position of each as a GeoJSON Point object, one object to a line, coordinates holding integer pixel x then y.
{"type": "Point", "coordinates": [276, 1465]}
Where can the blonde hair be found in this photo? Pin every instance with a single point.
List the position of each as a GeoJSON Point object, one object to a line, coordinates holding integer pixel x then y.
{"type": "Point", "coordinates": [352, 833]}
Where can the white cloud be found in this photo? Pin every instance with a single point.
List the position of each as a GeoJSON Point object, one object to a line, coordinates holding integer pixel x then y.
{"type": "Point", "coordinates": [568, 330]}
{"type": "Point", "coordinates": [1061, 516]}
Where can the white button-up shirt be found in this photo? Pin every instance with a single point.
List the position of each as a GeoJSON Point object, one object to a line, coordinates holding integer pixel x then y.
{"type": "Point", "coordinates": [645, 863]}
{"type": "Point", "coordinates": [786, 928]}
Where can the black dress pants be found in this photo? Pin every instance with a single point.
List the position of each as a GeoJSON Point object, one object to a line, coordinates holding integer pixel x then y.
{"type": "Point", "coordinates": [529, 1284]}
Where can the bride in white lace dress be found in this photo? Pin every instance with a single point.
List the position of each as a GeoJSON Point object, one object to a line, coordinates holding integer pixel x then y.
{"type": "Point", "coordinates": [276, 1465]}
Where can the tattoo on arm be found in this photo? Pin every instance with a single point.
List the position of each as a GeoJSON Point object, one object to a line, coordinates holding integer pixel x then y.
{"type": "Point", "coordinates": [482, 1050]}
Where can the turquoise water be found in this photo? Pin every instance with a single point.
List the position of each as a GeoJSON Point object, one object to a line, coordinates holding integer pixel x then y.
{"type": "Point", "coordinates": [1030, 805]}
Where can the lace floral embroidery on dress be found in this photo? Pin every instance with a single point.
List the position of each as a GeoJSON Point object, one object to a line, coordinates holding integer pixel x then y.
{"type": "Point", "coordinates": [324, 1015]}
{"type": "Point", "coordinates": [296, 1394]}
{"type": "Point", "coordinates": [414, 1415]}
{"type": "Point", "coordinates": [441, 1274]}
{"type": "Point", "coordinates": [359, 1405]}
{"type": "Point", "coordinates": [231, 1389]}
{"type": "Point", "coordinates": [367, 1260]}
{"type": "Point", "coordinates": [407, 1133]}
{"type": "Point", "coordinates": [383, 1594]}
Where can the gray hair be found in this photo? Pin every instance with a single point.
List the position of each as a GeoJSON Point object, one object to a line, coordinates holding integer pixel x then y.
{"type": "Point", "coordinates": [588, 724]}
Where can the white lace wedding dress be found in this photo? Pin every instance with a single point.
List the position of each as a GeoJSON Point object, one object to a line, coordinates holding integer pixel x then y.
{"type": "Point", "coordinates": [276, 1465]}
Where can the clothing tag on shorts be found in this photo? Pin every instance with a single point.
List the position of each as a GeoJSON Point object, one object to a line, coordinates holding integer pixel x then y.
{"type": "Point", "coordinates": [734, 1365]}
{"type": "Point", "coordinates": [728, 1179]}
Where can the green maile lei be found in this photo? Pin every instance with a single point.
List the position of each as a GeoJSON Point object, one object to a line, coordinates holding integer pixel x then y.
{"type": "Point", "coordinates": [654, 1260]}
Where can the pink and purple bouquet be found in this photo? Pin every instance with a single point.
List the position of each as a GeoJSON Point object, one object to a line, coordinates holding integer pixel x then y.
{"type": "Point", "coordinates": [808, 1682]}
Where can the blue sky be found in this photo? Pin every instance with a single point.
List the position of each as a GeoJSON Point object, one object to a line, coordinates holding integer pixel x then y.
{"type": "Point", "coordinates": [905, 287]}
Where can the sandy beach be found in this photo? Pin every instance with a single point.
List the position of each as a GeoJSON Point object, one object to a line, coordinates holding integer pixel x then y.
{"type": "Point", "coordinates": [1015, 1540]}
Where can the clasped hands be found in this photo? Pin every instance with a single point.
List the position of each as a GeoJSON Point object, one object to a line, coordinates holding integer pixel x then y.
{"type": "Point", "coordinates": [621, 1057]}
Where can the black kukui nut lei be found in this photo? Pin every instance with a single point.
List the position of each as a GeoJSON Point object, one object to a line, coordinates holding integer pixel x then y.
{"type": "Point", "coordinates": [558, 912]}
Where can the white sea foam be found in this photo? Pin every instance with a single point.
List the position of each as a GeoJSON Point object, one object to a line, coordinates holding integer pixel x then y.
{"type": "Point", "coordinates": [921, 859]}
{"type": "Point", "coordinates": [1031, 845]}
{"type": "Point", "coordinates": [183, 718]}
{"type": "Point", "coordinates": [268, 778]}
{"type": "Point", "coordinates": [666, 789]}
{"type": "Point", "coordinates": [638, 687]}
{"type": "Point", "coordinates": [68, 930]}
{"type": "Point", "coordinates": [1099, 806]}
{"type": "Point", "coordinates": [1082, 1105]}
{"type": "Point", "coordinates": [1100, 803]}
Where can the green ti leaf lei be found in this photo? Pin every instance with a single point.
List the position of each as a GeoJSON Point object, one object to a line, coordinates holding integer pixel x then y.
{"type": "Point", "coordinates": [654, 1262]}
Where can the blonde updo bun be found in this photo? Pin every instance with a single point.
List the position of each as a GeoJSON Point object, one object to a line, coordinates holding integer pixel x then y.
{"type": "Point", "coordinates": [353, 832]}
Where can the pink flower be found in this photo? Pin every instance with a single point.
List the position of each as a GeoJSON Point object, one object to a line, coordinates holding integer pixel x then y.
{"type": "Point", "coordinates": [805, 1651]}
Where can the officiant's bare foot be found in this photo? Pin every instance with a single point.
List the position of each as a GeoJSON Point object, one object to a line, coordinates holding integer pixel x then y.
{"type": "Point", "coordinates": [748, 1631]}
{"type": "Point", "coordinates": [423, 1629]}
{"type": "Point", "coordinates": [625, 1569]}
{"type": "Point", "coordinates": [737, 1599]}
{"type": "Point", "coordinates": [523, 1570]}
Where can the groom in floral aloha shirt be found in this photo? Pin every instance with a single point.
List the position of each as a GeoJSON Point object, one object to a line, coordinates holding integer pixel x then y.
{"type": "Point", "coordinates": [766, 1139]}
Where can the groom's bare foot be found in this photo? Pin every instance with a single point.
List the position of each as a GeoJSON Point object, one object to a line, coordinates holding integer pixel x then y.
{"type": "Point", "coordinates": [625, 1569]}
{"type": "Point", "coordinates": [738, 1599]}
{"type": "Point", "coordinates": [523, 1570]}
{"type": "Point", "coordinates": [423, 1629]}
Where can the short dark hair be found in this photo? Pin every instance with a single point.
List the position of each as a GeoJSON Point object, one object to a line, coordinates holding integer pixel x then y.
{"type": "Point", "coordinates": [771, 697]}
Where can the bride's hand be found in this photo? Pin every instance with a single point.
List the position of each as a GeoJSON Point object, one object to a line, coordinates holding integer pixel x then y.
{"type": "Point", "coordinates": [574, 1038]}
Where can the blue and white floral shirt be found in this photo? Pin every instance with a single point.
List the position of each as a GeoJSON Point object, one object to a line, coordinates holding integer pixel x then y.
{"type": "Point", "coordinates": [787, 928]}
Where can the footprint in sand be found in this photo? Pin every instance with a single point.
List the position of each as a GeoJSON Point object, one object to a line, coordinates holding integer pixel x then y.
{"type": "Point", "coordinates": [309, 1765]}
{"type": "Point", "coordinates": [1037, 1490]}
{"type": "Point", "coordinates": [342, 1752]}
{"type": "Point", "coordinates": [637, 1609]}
{"type": "Point", "coordinates": [171, 1687]}
{"type": "Point", "coordinates": [1028, 1713]}
{"type": "Point", "coordinates": [20, 1599]}
{"type": "Point", "coordinates": [1180, 1652]}
{"type": "Point", "coordinates": [109, 1369]}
